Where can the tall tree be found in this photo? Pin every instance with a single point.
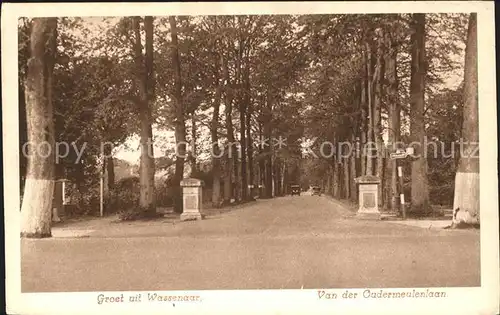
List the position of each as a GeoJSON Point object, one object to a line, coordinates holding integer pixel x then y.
{"type": "Point", "coordinates": [419, 182]}
{"type": "Point", "coordinates": [261, 157]}
{"type": "Point", "coordinates": [24, 33]}
{"type": "Point", "coordinates": [370, 111]}
{"type": "Point", "coordinates": [363, 125]}
{"type": "Point", "coordinates": [346, 170]}
{"type": "Point", "coordinates": [466, 199]}
{"type": "Point", "coordinates": [394, 122]}
{"type": "Point", "coordinates": [243, 105]}
{"type": "Point", "coordinates": [267, 140]}
{"type": "Point", "coordinates": [249, 140]}
{"type": "Point", "coordinates": [36, 209]}
{"type": "Point", "coordinates": [145, 82]}
{"type": "Point", "coordinates": [377, 80]}
{"type": "Point", "coordinates": [179, 113]}
{"type": "Point", "coordinates": [353, 172]}
{"type": "Point", "coordinates": [231, 147]}
{"type": "Point", "coordinates": [194, 133]}
{"type": "Point", "coordinates": [216, 165]}
{"type": "Point", "coordinates": [108, 168]}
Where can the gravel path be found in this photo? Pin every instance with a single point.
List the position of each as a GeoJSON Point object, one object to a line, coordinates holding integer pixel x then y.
{"type": "Point", "coordinates": [289, 242]}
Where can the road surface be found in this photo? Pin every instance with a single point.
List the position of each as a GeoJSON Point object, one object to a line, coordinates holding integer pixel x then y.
{"type": "Point", "coordinates": [284, 243]}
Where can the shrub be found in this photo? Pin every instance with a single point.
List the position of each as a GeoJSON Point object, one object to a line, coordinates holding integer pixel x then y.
{"type": "Point", "coordinates": [124, 197]}
{"type": "Point", "coordinates": [91, 202]}
{"type": "Point", "coordinates": [83, 200]}
{"type": "Point", "coordinates": [131, 183]}
{"type": "Point", "coordinates": [163, 194]}
{"type": "Point", "coordinates": [442, 195]}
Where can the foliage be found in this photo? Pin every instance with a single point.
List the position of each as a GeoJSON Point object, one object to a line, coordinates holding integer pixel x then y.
{"type": "Point", "coordinates": [304, 81]}
{"type": "Point", "coordinates": [124, 197]}
{"type": "Point", "coordinates": [331, 81]}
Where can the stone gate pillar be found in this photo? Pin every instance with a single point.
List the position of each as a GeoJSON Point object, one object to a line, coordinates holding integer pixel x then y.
{"type": "Point", "coordinates": [191, 199]}
{"type": "Point", "coordinates": [368, 197]}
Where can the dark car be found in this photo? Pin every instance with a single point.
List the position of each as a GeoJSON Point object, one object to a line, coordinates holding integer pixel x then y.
{"type": "Point", "coordinates": [295, 190]}
{"type": "Point", "coordinates": [316, 190]}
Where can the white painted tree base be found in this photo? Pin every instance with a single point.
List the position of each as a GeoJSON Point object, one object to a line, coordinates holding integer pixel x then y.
{"type": "Point", "coordinates": [466, 199]}
{"type": "Point", "coordinates": [36, 210]}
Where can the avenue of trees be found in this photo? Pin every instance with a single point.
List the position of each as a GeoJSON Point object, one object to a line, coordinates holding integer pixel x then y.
{"type": "Point", "coordinates": [249, 81]}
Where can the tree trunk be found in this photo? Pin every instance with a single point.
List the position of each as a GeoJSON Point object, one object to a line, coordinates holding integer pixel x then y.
{"type": "Point", "coordinates": [352, 175]}
{"type": "Point", "coordinates": [109, 168]}
{"type": "Point", "coordinates": [236, 174]}
{"type": "Point", "coordinates": [23, 136]}
{"type": "Point", "coordinates": [394, 119]}
{"type": "Point", "coordinates": [243, 98]}
{"type": "Point", "coordinates": [250, 144]}
{"type": "Point", "coordinates": [466, 200]}
{"type": "Point", "coordinates": [244, 104]}
{"type": "Point", "coordinates": [236, 167]}
{"type": "Point", "coordinates": [228, 185]}
{"type": "Point", "coordinates": [378, 77]}
{"type": "Point", "coordinates": [262, 164]}
{"type": "Point", "coordinates": [144, 77]}
{"type": "Point", "coordinates": [36, 210]}
{"type": "Point", "coordinates": [369, 93]}
{"type": "Point", "coordinates": [328, 187]}
{"type": "Point", "coordinates": [216, 165]}
{"type": "Point", "coordinates": [194, 166]}
{"type": "Point", "coordinates": [243, 146]}
{"type": "Point", "coordinates": [286, 177]}
{"type": "Point", "coordinates": [267, 149]}
{"type": "Point", "coordinates": [331, 175]}
{"type": "Point", "coordinates": [336, 178]}
{"type": "Point", "coordinates": [363, 127]}
{"type": "Point", "coordinates": [230, 162]}
{"type": "Point", "coordinates": [179, 124]}
{"type": "Point", "coordinates": [279, 177]}
{"type": "Point", "coordinates": [268, 176]}
{"type": "Point", "coordinates": [347, 186]}
{"type": "Point", "coordinates": [275, 177]}
{"type": "Point", "coordinates": [419, 183]}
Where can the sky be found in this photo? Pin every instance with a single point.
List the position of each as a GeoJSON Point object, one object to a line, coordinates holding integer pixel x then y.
{"type": "Point", "coordinates": [130, 152]}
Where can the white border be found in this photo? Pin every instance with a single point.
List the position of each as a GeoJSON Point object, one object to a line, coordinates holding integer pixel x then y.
{"type": "Point", "coordinates": [482, 300]}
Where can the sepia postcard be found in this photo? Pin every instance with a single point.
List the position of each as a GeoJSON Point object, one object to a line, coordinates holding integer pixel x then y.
{"type": "Point", "coordinates": [250, 157]}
